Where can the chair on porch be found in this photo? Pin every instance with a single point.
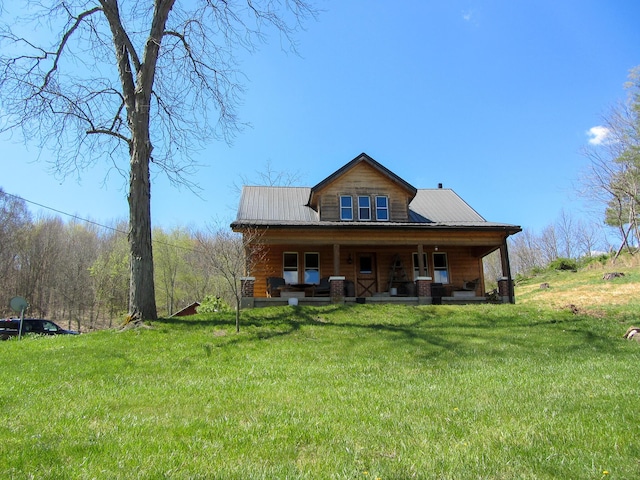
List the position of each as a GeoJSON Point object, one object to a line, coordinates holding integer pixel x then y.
{"type": "Point", "coordinates": [272, 286]}
{"type": "Point", "coordinates": [323, 289]}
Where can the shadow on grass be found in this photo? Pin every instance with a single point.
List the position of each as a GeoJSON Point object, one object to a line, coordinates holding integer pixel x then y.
{"type": "Point", "coordinates": [430, 331]}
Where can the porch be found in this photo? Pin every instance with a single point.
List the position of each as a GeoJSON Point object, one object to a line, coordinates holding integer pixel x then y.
{"type": "Point", "coordinates": [428, 294]}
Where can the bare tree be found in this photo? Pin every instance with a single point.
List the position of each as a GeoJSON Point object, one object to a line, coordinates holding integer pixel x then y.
{"type": "Point", "coordinates": [525, 252]}
{"type": "Point", "coordinates": [589, 238]}
{"type": "Point", "coordinates": [15, 222]}
{"type": "Point", "coordinates": [548, 244]}
{"type": "Point", "coordinates": [109, 274]}
{"type": "Point", "coordinates": [270, 177]}
{"type": "Point", "coordinates": [232, 256]}
{"type": "Point", "coordinates": [612, 179]}
{"type": "Point", "coordinates": [132, 79]}
{"type": "Point", "coordinates": [566, 230]}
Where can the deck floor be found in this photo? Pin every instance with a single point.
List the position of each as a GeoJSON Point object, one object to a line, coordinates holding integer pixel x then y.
{"type": "Point", "coordinates": [309, 301]}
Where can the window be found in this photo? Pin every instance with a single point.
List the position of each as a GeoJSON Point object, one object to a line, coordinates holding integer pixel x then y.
{"type": "Point", "coordinates": [382, 208]}
{"type": "Point", "coordinates": [366, 264]}
{"type": "Point", "coordinates": [346, 208]}
{"type": "Point", "coordinates": [416, 267]}
{"type": "Point", "coordinates": [440, 268]}
{"type": "Point", "coordinates": [49, 327]}
{"type": "Point", "coordinates": [364, 208]}
{"type": "Point", "coordinates": [290, 267]}
{"type": "Point", "coordinates": [312, 268]}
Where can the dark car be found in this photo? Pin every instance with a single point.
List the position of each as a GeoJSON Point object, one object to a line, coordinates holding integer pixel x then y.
{"type": "Point", "coordinates": [9, 327]}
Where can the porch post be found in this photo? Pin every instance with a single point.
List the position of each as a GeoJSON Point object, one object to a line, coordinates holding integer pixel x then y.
{"type": "Point", "coordinates": [420, 261]}
{"type": "Point", "coordinates": [247, 285]}
{"type": "Point", "coordinates": [423, 287]}
{"type": "Point", "coordinates": [336, 259]}
{"type": "Point", "coordinates": [506, 274]}
{"type": "Point", "coordinates": [336, 284]}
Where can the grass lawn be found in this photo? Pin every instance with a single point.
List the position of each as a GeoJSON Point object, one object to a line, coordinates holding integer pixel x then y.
{"type": "Point", "coordinates": [344, 392]}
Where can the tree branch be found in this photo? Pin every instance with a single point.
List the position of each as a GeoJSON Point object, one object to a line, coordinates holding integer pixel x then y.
{"type": "Point", "coordinates": [63, 43]}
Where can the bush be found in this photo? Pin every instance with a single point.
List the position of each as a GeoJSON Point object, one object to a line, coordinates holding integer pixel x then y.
{"type": "Point", "coordinates": [601, 259]}
{"type": "Point", "coordinates": [564, 264]}
{"type": "Point", "coordinates": [212, 304]}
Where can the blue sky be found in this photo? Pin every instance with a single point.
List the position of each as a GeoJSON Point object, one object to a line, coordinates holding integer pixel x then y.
{"type": "Point", "coordinates": [494, 99]}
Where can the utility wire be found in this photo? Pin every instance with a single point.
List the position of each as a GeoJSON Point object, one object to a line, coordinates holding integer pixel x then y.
{"type": "Point", "coordinates": [93, 222]}
{"type": "Point", "coordinates": [63, 213]}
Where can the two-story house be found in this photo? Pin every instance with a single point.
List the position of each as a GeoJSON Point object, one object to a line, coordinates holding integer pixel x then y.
{"type": "Point", "coordinates": [365, 234]}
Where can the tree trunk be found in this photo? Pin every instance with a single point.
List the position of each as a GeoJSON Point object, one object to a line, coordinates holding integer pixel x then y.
{"type": "Point", "coordinates": [142, 298]}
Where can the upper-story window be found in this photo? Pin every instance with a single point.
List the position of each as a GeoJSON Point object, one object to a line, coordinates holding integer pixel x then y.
{"type": "Point", "coordinates": [382, 208]}
{"type": "Point", "coordinates": [364, 208]}
{"type": "Point", "coordinates": [346, 207]}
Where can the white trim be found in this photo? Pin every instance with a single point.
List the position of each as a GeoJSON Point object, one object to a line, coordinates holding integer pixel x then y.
{"type": "Point", "coordinates": [367, 208]}
{"type": "Point", "coordinates": [350, 208]}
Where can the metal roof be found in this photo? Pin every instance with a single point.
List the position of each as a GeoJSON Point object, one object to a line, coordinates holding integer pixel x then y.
{"type": "Point", "coordinates": [275, 204]}
{"type": "Point", "coordinates": [441, 205]}
{"type": "Point", "coordinates": [287, 206]}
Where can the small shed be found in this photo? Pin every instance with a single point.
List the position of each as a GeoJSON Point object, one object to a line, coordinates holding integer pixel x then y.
{"type": "Point", "coordinates": [188, 310]}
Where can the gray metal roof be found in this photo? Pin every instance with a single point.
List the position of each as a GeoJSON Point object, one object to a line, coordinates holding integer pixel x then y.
{"type": "Point", "coordinates": [275, 205]}
{"type": "Point", "coordinates": [441, 206]}
{"type": "Point", "coordinates": [282, 206]}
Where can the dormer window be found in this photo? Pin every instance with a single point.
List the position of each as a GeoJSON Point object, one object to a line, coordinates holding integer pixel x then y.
{"type": "Point", "coordinates": [346, 207]}
{"type": "Point", "coordinates": [382, 208]}
{"type": "Point", "coordinates": [364, 208]}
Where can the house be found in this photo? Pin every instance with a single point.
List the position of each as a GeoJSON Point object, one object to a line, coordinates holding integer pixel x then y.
{"type": "Point", "coordinates": [364, 234]}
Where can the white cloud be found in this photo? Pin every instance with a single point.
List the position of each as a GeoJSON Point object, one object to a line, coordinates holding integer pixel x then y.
{"type": "Point", "coordinates": [598, 135]}
{"type": "Point", "coordinates": [470, 16]}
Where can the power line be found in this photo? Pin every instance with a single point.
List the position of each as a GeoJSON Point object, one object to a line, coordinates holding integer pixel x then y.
{"type": "Point", "coordinates": [63, 213]}
{"type": "Point", "coordinates": [76, 217]}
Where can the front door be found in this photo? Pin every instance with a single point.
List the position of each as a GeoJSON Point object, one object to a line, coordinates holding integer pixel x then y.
{"type": "Point", "coordinates": [366, 280]}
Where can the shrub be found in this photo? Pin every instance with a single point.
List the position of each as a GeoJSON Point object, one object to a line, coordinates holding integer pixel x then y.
{"type": "Point", "coordinates": [212, 304]}
{"type": "Point", "coordinates": [601, 259]}
{"type": "Point", "coordinates": [564, 264]}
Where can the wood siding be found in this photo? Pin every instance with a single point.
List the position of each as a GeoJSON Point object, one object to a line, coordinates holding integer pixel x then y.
{"type": "Point", "coordinates": [462, 262]}
{"type": "Point", "coordinates": [363, 180]}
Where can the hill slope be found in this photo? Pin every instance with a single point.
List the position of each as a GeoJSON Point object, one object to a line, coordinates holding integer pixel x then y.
{"type": "Point", "coordinates": [585, 289]}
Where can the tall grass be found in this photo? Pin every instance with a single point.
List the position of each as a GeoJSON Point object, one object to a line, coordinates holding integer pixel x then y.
{"type": "Point", "coordinates": [343, 392]}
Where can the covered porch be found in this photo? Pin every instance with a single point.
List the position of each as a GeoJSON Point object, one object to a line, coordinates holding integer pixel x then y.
{"type": "Point", "coordinates": [446, 268]}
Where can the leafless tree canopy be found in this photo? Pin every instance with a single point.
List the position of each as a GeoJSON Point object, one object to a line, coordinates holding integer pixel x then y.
{"type": "Point", "coordinates": [146, 82]}
{"type": "Point", "coordinates": [612, 179]}
{"type": "Point", "coordinates": [81, 80]}
{"type": "Point", "coordinates": [232, 256]}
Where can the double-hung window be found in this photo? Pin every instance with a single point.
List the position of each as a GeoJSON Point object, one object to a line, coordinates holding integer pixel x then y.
{"type": "Point", "coordinates": [382, 208]}
{"type": "Point", "coordinates": [416, 266]}
{"type": "Point", "coordinates": [440, 268]}
{"type": "Point", "coordinates": [364, 208]}
{"type": "Point", "coordinates": [290, 267]}
{"type": "Point", "coordinates": [346, 207]}
{"type": "Point", "coordinates": [312, 268]}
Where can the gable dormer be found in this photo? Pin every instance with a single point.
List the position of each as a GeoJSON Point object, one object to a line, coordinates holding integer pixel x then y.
{"type": "Point", "coordinates": [362, 191]}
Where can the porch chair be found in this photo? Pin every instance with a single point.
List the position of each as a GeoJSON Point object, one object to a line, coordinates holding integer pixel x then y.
{"type": "Point", "coordinates": [272, 286]}
{"type": "Point", "coordinates": [323, 289]}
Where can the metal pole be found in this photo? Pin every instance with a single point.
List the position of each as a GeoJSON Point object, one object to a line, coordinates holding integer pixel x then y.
{"type": "Point", "coordinates": [21, 321]}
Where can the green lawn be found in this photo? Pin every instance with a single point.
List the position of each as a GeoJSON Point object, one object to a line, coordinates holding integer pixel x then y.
{"type": "Point", "coordinates": [348, 392]}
